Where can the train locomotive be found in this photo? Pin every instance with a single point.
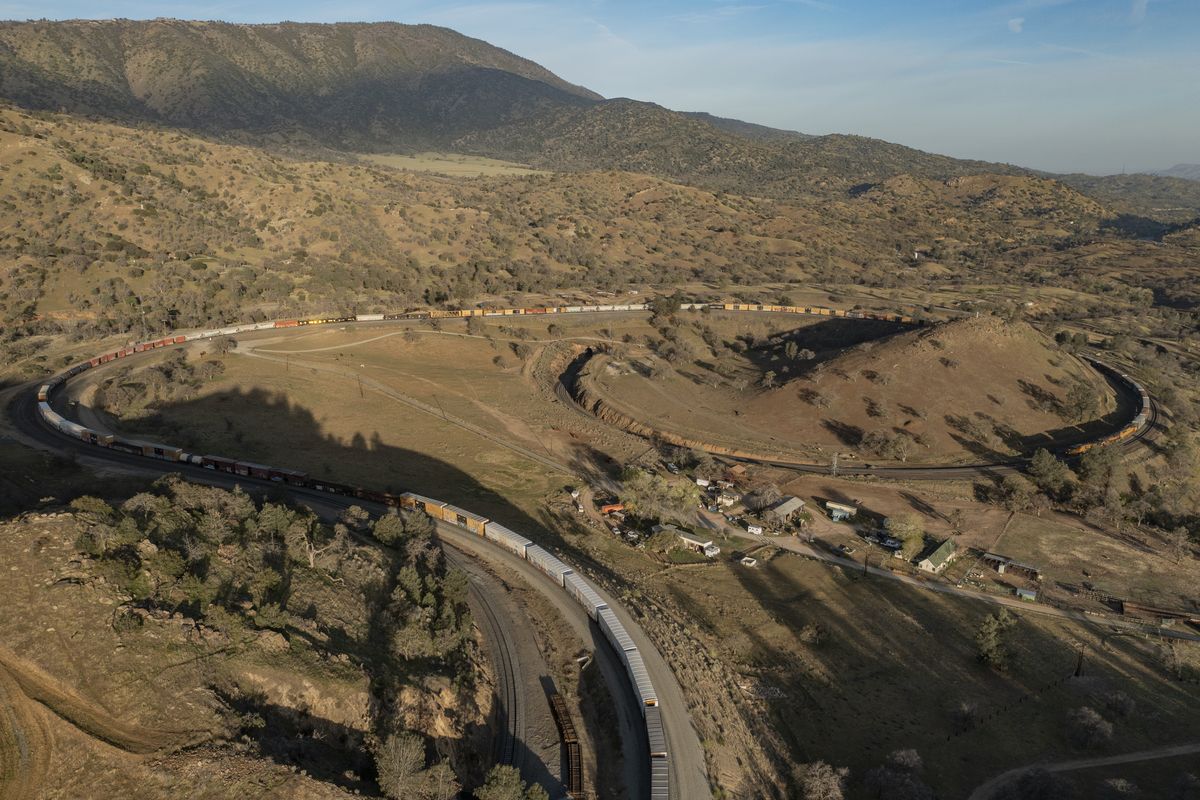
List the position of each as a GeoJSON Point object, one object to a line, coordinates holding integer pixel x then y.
{"type": "Point", "coordinates": [1144, 415]}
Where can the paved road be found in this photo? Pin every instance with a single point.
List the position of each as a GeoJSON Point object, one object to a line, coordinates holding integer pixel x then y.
{"type": "Point", "coordinates": [985, 791]}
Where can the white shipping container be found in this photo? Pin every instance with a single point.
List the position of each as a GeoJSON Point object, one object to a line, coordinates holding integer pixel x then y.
{"type": "Point", "coordinates": [548, 564]}
{"type": "Point", "coordinates": [640, 678]}
{"type": "Point", "coordinates": [582, 591]}
{"type": "Point", "coordinates": [660, 779]}
{"type": "Point", "coordinates": [654, 732]}
{"type": "Point", "coordinates": [508, 539]}
{"type": "Point", "coordinates": [368, 317]}
{"type": "Point", "coordinates": [614, 631]}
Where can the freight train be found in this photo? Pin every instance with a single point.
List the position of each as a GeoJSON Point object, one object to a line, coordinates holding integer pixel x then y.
{"type": "Point", "coordinates": [1144, 415]}
{"type": "Point", "coordinates": [556, 570]}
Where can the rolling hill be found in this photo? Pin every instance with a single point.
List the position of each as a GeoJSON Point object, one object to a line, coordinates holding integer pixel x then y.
{"type": "Point", "coordinates": [403, 88]}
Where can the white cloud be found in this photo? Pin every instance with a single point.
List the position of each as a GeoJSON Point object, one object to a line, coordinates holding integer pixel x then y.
{"type": "Point", "coordinates": [1137, 12]}
{"type": "Point", "coordinates": [1016, 24]}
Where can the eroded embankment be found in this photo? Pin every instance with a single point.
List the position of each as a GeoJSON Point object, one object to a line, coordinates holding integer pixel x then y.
{"type": "Point", "coordinates": [580, 385]}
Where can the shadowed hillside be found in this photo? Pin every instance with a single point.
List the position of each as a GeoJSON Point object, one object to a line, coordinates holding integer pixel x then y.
{"type": "Point", "coordinates": [383, 84]}
{"type": "Point", "coordinates": [410, 87]}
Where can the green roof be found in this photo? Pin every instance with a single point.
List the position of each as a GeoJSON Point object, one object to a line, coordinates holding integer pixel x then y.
{"type": "Point", "coordinates": [940, 556]}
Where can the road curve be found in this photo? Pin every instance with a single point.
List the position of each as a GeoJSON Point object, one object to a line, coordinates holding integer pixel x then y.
{"type": "Point", "coordinates": [987, 790]}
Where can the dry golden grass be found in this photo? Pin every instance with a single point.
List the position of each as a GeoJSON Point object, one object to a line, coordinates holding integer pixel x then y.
{"type": "Point", "coordinates": [453, 164]}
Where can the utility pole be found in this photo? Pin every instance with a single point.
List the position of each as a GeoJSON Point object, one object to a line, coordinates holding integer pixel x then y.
{"type": "Point", "coordinates": [833, 467]}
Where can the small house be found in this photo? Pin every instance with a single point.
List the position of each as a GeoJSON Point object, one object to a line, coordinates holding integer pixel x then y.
{"type": "Point", "coordinates": [728, 499]}
{"type": "Point", "coordinates": [937, 560]}
{"type": "Point", "coordinates": [757, 530]}
{"type": "Point", "coordinates": [693, 542]}
{"type": "Point", "coordinates": [839, 512]}
{"type": "Point", "coordinates": [1028, 595]}
{"type": "Point", "coordinates": [785, 510]}
{"type": "Point", "coordinates": [703, 483]}
{"type": "Point", "coordinates": [749, 561]}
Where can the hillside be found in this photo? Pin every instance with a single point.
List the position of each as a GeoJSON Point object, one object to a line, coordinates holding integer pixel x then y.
{"type": "Point", "coordinates": [968, 390]}
{"type": "Point", "coordinates": [386, 86]}
{"type": "Point", "coordinates": [1189, 172]}
{"type": "Point", "coordinates": [342, 85]}
{"type": "Point", "coordinates": [121, 228]}
{"type": "Point", "coordinates": [1171, 200]}
{"type": "Point", "coordinates": [642, 137]}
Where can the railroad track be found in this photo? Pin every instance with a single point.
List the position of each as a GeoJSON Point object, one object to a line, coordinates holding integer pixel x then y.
{"type": "Point", "coordinates": [507, 664]}
{"type": "Point", "coordinates": [565, 391]}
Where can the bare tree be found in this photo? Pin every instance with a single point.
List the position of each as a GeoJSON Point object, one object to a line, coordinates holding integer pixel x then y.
{"type": "Point", "coordinates": [1088, 730]}
{"type": "Point", "coordinates": [820, 781]}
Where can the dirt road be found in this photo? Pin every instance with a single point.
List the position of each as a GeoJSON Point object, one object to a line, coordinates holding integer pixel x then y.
{"type": "Point", "coordinates": [800, 548]}
{"type": "Point", "coordinates": [89, 717]}
{"type": "Point", "coordinates": [985, 791]}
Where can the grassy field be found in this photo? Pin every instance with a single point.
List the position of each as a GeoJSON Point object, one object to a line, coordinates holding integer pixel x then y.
{"type": "Point", "coordinates": [453, 164]}
{"type": "Point", "coordinates": [1068, 550]}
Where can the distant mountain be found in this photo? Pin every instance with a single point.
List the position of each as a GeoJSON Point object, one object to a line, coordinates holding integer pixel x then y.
{"type": "Point", "coordinates": [748, 129]}
{"type": "Point", "coordinates": [643, 137]}
{"type": "Point", "coordinates": [1189, 172]}
{"type": "Point", "coordinates": [380, 85]}
{"type": "Point", "coordinates": [392, 87]}
{"type": "Point", "coordinates": [1171, 200]}
{"type": "Point", "coordinates": [371, 87]}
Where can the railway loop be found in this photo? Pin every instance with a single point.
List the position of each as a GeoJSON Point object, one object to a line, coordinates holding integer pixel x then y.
{"type": "Point", "coordinates": [663, 780]}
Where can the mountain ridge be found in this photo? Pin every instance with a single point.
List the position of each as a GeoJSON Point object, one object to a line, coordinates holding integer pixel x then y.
{"type": "Point", "coordinates": [396, 87]}
{"type": "Point", "coordinates": [390, 87]}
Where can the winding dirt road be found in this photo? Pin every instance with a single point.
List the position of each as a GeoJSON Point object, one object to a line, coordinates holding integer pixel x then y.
{"type": "Point", "coordinates": [987, 790]}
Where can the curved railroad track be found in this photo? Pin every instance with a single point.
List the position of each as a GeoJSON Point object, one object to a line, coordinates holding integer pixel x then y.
{"type": "Point", "coordinates": [565, 388]}
{"type": "Point", "coordinates": [506, 662]}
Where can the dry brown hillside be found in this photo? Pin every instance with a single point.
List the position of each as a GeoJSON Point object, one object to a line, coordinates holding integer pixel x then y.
{"type": "Point", "coordinates": [109, 228]}
{"type": "Point", "coordinates": [969, 389]}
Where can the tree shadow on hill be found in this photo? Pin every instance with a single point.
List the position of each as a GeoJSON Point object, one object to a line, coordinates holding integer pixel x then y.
{"type": "Point", "coordinates": [826, 338]}
{"type": "Point", "coordinates": [847, 434]}
{"type": "Point", "coordinates": [1127, 406]}
{"type": "Point", "coordinates": [869, 674]}
{"type": "Point", "coordinates": [267, 428]}
{"type": "Point", "coordinates": [328, 751]}
{"type": "Point", "coordinates": [1133, 226]}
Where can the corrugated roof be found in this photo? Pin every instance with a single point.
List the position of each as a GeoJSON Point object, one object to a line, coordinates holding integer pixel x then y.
{"type": "Point", "coordinates": [788, 505]}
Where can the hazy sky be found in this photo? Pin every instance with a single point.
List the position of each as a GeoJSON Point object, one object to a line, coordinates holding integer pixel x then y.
{"type": "Point", "coordinates": [1063, 85]}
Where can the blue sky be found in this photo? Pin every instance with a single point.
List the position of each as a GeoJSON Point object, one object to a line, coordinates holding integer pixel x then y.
{"type": "Point", "coordinates": [1062, 85]}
